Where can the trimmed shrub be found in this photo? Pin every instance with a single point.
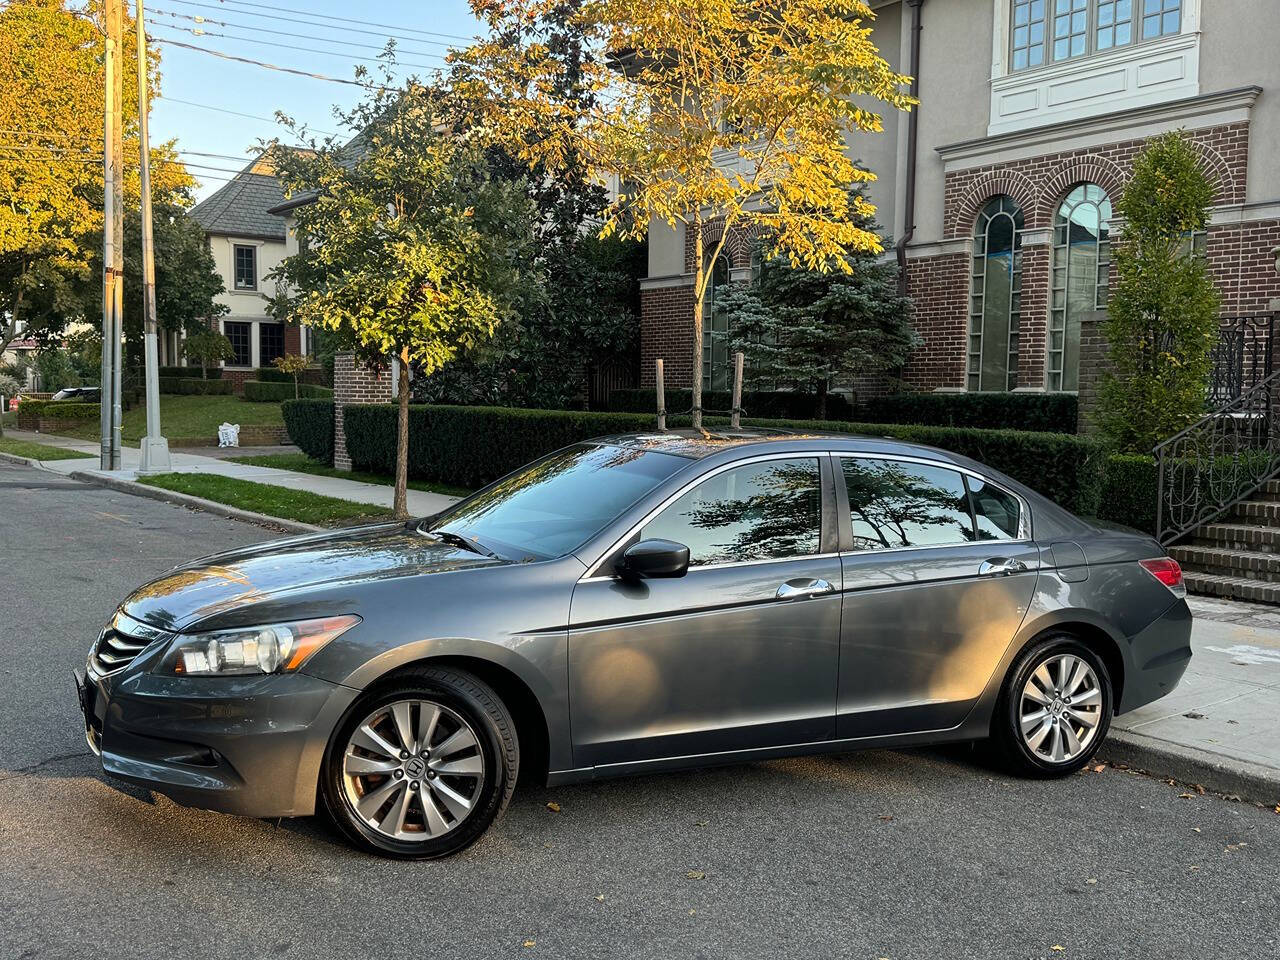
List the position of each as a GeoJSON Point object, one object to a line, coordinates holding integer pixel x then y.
{"type": "Point", "coordinates": [1129, 494]}
{"type": "Point", "coordinates": [310, 427]}
{"type": "Point", "coordinates": [1048, 412]}
{"type": "Point", "coordinates": [757, 403]}
{"type": "Point", "coordinates": [313, 375]}
{"type": "Point", "coordinates": [194, 385]}
{"type": "Point", "coordinates": [61, 409]}
{"type": "Point", "coordinates": [215, 373]}
{"type": "Point", "coordinates": [261, 391]}
{"type": "Point", "coordinates": [470, 446]}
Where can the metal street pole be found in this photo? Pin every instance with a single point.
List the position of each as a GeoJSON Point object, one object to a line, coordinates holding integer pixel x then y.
{"type": "Point", "coordinates": [155, 448]}
{"type": "Point", "coordinates": [115, 13]}
{"type": "Point", "coordinates": [111, 175]}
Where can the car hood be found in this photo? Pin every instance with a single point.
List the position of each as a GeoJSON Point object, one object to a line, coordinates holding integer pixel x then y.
{"type": "Point", "coordinates": [251, 576]}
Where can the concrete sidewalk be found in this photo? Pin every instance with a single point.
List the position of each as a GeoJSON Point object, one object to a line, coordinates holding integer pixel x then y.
{"type": "Point", "coordinates": [421, 503]}
{"type": "Point", "coordinates": [1221, 726]}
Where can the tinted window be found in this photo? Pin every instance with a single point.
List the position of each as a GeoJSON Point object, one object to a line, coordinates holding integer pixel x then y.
{"type": "Point", "coordinates": [895, 504]}
{"type": "Point", "coordinates": [760, 511]}
{"type": "Point", "coordinates": [561, 501]}
{"type": "Point", "coordinates": [996, 511]}
{"type": "Point", "coordinates": [237, 332]}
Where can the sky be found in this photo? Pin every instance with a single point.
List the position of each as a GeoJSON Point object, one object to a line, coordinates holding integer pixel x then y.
{"type": "Point", "coordinates": [423, 30]}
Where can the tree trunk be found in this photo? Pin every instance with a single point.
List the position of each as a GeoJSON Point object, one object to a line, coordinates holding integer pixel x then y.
{"type": "Point", "coordinates": [401, 504]}
{"type": "Point", "coordinates": [699, 279]}
{"type": "Point", "coordinates": [296, 389]}
{"type": "Point", "coordinates": [822, 399]}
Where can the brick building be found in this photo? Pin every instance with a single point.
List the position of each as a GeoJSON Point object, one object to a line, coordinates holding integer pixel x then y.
{"type": "Point", "coordinates": [1019, 158]}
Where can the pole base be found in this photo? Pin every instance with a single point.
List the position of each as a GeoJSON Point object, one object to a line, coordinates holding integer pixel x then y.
{"type": "Point", "coordinates": [155, 455]}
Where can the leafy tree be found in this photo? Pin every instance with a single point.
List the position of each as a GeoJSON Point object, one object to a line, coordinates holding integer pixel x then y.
{"type": "Point", "coordinates": [735, 111]}
{"type": "Point", "coordinates": [55, 369]}
{"type": "Point", "coordinates": [810, 329]}
{"type": "Point", "coordinates": [207, 346]}
{"type": "Point", "coordinates": [293, 364]}
{"type": "Point", "coordinates": [1162, 318]}
{"type": "Point", "coordinates": [51, 94]}
{"type": "Point", "coordinates": [410, 248]}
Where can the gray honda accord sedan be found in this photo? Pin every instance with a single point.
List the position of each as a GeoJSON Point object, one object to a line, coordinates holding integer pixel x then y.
{"type": "Point", "coordinates": [629, 605]}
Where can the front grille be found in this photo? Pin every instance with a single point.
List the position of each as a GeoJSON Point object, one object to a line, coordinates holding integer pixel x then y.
{"type": "Point", "coordinates": [121, 642]}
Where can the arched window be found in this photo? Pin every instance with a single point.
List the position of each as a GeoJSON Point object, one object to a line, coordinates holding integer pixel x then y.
{"type": "Point", "coordinates": [717, 368]}
{"type": "Point", "coordinates": [995, 301]}
{"type": "Point", "coordinates": [1081, 264]}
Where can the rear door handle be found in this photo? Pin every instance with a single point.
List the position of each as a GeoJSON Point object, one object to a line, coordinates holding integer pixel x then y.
{"type": "Point", "coordinates": [1001, 567]}
{"type": "Point", "coordinates": [804, 587]}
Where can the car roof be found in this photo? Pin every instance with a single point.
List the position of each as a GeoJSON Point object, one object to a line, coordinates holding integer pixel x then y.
{"type": "Point", "coordinates": [695, 445]}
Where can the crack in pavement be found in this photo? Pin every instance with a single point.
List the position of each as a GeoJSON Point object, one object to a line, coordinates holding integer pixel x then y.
{"type": "Point", "coordinates": [20, 771]}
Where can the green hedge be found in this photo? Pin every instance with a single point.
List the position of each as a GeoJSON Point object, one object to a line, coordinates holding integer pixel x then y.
{"type": "Point", "coordinates": [261, 391]}
{"type": "Point", "coordinates": [194, 385]}
{"type": "Point", "coordinates": [215, 373]}
{"type": "Point", "coordinates": [62, 409]}
{"type": "Point", "coordinates": [1047, 412]}
{"type": "Point", "coordinates": [1129, 494]}
{"type": "Point", "coordinates": [310, 427]}
{"type": "Point", "coordinates": [756, 403]}
{"type": "Point", "coordinates": [469, 446]}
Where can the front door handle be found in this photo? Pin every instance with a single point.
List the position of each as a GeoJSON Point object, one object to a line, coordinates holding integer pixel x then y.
{"type": "Point", "coordinates": [1001, 567]}
{"type": "Point", "coordinates": [801, 588]}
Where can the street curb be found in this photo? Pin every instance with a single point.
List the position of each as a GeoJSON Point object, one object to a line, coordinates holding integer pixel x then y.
{"type": "Point", "coordinates": [195, 503]}
{"type": "Point", "coordinates": [1213, 771]}
{"type": "Point", "coordinates": [25, 461]}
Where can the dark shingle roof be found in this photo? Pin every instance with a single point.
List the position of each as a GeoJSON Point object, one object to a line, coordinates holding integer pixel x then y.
{"type": "Point", "coordinates": [241, 207]}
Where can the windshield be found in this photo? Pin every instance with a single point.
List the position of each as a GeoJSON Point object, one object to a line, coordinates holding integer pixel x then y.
{"type": "Point", "coordinates": [558, 503]}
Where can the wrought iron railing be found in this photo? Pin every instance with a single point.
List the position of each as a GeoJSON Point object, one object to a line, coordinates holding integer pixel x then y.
{"type": "Point", "coordinates": [1241, 357]}
{"type": "Point", "coordinates": [1219, 460]}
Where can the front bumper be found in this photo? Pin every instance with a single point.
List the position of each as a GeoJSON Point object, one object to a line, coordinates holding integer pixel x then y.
{"type": "Point", "coordinates": [250, 746]}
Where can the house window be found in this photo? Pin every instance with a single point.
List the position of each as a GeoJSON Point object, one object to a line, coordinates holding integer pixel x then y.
{"type": "Point", "coordinates": [1081, 265]}
{"type": "Point", "coordinates": [246, 266]}
{"type": "Point", "coordinates": [270, 343]}
{"type": "Point", "coordinates": [717, 368]}
{"type": "Point", "coordinates": [1044, 31]}
{"type": "Point", "coordinates": [995, 299]}
{"type": "Point", "coordinates": [238, 332]}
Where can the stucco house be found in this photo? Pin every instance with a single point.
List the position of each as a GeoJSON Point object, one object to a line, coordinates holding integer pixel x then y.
{"type": "Point", "coordinates": [998, 190]}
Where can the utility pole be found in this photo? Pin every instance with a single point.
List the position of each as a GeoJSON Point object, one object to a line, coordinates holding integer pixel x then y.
{"type": "Point", "coordinates": [112, 256]}
{"type": "Point", "coordinates": [155, 448]}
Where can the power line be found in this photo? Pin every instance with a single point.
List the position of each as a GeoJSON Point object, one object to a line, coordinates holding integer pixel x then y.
{"type": "Point", "coordinates": [197, 32]}
{"type": "Point", "coordinates": [237, 113]}
{"type": "Point", "coordinates": [326, 16]}
{"type": "Point", "coordinates": [325, 26]}
{"type": "Point", "coordinates": [269, 66]}
{"type": "Point", "coordinates": [288, 33]}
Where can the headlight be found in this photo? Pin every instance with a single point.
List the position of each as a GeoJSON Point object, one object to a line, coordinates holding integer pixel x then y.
{"type": "Point", "coordinates": [274, 648]}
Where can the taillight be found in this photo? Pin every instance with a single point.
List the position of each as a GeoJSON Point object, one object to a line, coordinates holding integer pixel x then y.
{"type": "Point", "coordinates": [1167, 571]}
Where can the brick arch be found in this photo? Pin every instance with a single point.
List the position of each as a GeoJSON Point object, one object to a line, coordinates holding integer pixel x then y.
{"type": "Point", "coordinates": [1091, 169]}
{"type": "Point", "coordinates": [1220, 173]}
{"type": "Point", "coordinates": [993, 184]}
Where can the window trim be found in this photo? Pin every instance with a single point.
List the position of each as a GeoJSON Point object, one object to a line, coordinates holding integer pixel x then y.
{"type": "Point", "coordinates": [1091, 36]}
{"type": "Point", "coordinates": [249, 336]}
{"type": "Point", "coordinates": [235, 279]}
{"type": "Point", "coordinates": [593, 574]}
{"type": "Point", "coordinates": [845, 520]}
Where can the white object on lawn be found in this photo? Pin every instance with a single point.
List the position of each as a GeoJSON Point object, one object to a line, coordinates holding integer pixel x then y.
{"type": "Point", "coordinates": [229, 435]}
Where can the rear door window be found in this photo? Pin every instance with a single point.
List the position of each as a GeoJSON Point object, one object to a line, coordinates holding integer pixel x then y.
{"type": "Point", "coordinates": [998, 514]}
{"type": "Point", "coordinates": [895, 504]}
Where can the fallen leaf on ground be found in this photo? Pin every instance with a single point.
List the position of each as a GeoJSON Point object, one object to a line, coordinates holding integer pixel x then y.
{"type": "Point", "coordinates": [1092, 882]}
{"type": "Point", "coordinates": [1099, 768]}
{"type": "Point", "coordinates": [1193, 867]}
{"type": "Point", "coordinates": [600, 897]}
{"type": "Point", "coordinates": [1197, 829]}
{"type": "Point", "coordinates": [1193, 715]}
{"type": "Point", "coordinates": [530, 943]}
{"type": "Point", "coordinates": [701, 823]}
{"type": "Point", "coordinates": [1186, 796]}
{"type": "Point", "coordinates": [1278, 808]}
{"type": "Point", "coordinates": [1234, 846]}
{"type": "Point", "coordinates": [1057, 948]}
{"type": "Point", "coordinates": [553, 806]}
{"type": "Point", "coordinates": [886, 817]}
{"type": "Point", "coordinates": [692, 912]}
{"type": "Point", "coordinates": [696, 875]}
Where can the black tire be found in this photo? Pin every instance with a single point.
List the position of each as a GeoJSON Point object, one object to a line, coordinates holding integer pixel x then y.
{"type": "Point", "coordinates": [498, 746]}
{"type": "Point", "coordinates": [1006, 725]}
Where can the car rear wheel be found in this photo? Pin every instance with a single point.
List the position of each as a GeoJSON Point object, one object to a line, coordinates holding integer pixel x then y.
{"type": "Point", "coordinates": [1055, 708]}
{"type": "Point", "coordinates": [419, 767]}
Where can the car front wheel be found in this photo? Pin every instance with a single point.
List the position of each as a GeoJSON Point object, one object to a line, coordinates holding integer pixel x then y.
{"type": "Point", "coordinates": [420, 766]}
{"type": "Point", "coordinates": [1055, 708]}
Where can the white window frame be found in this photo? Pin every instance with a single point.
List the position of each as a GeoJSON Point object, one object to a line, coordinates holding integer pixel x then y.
{"type": "Point", "coordinates": [236, 247]}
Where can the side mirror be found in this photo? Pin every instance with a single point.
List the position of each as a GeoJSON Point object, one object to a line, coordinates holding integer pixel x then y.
{"type": "Point", "coordinates": [654, 558]}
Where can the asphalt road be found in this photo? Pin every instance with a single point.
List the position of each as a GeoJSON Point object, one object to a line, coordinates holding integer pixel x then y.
{"type": "Point", "coordinates": [879, 854]}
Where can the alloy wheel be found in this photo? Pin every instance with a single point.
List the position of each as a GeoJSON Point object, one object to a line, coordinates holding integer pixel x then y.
{"type": "Point", "coordinates": [413, 770]}
{"type": "Point", "coordinates": [1061, 708]}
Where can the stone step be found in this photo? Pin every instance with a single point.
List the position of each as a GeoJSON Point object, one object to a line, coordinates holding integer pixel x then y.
{"type": "Point", "coordinates": [1234, 588]}
{"type": "Point", "coordinates": [1268, 491]}
{"type": "Point", "coordinates": [1255, 537]}
{"type": "Point", "coordinates": [1266, 512]}
{"type": "Point", "coordinates": [1226, 561]}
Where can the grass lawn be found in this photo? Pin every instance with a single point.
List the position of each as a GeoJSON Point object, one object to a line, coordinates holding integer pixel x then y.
{"type": "Point", "coordinates": [183, 416]}
{"type": "Point", "coordinates": [270, 500]}
{"type": "Point", "coordinates": [38, 451]}
{"type": "Point", "coordinates": [301, 463]}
